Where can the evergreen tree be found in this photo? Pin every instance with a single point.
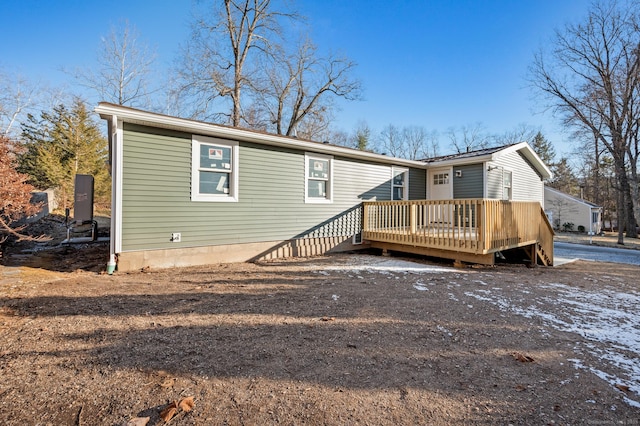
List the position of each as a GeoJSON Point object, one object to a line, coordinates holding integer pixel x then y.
{"type": "Point", "coordinates": [60, 145]}
{"type": "Point", "coordinates": [564, 179]}
{"type": "Point", "coordinates": [544, 149]}
{"type": "Point", "coordinates": [362, 136]}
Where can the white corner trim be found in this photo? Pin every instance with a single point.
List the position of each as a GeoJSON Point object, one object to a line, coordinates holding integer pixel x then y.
{"type": "Point", "coordinates": [116, 185]}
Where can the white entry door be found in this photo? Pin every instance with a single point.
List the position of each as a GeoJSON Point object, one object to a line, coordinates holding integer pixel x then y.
{"type": "Point", "coordinates": [440, 187]}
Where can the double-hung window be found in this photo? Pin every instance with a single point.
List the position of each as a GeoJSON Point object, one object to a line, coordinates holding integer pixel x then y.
{"type": "Point", "coordinates": [399, 183]}
{"type": "Point", "coordinates": [507, 184]}
{"type": "Point", "coordinates": [319, 178]}
{"type": "Point", "coordinates": [214, 169]}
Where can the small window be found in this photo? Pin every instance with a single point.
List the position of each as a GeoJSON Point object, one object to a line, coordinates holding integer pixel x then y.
{"type": "Point", "coordinates": [318, 182]}
{"type": "Point", "coordinates": [214, 169]}
{"type": "Point", "coordinates": [506, 179]}
{"type": "Point", "coordinates": [441, 179]}
{"type": "Point", "coordinates": [399, 183]}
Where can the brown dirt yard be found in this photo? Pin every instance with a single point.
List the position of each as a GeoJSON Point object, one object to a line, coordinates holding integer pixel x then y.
{"type": "Point", "coordinates": [336, 340]}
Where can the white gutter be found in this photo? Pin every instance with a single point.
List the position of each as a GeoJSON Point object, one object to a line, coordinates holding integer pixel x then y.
{"type": "Point", "coordinates": [131, 115]}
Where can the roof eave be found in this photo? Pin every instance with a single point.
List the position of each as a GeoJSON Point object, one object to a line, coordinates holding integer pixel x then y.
{"type": "Point", "coordinates": [135, 116]}
{"type": "Point", "coordinates": [530, 155]}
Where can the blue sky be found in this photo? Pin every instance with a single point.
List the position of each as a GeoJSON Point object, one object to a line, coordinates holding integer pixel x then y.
{"type": "Point", "coordinates": [437, 64]}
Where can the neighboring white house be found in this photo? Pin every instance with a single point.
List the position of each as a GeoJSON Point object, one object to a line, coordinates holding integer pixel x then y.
{"type": "Point", "coordinates": [564, 209]}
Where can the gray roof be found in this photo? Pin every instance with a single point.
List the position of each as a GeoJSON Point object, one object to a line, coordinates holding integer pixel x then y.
{"type": "Point", "coordinates": [469, 154]}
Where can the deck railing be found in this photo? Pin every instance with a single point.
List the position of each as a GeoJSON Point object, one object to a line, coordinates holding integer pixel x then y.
{"type": "Point", "coordinates": [477, 226]}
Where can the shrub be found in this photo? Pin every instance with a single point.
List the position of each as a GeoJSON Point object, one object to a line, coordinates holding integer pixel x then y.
{"type": "Point", "coordinates": [581, 228]}
{"type": "Point", "coordinates": [567, 226]}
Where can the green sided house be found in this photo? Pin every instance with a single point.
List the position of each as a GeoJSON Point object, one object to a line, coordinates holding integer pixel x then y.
{"type": "Point", "coordinates": [186, 192]}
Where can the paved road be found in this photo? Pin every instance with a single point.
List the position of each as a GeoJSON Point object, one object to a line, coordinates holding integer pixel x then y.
{"type": "Point", "coordinates": [601, 254]}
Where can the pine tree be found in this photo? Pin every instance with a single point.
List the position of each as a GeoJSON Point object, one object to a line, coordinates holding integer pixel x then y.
{"type": "Point", "coordinates": [544, 149]}
{"type": "Point", "coordinates": [60, 145]}
{"type": "Point", "coordinates": [564, 179]}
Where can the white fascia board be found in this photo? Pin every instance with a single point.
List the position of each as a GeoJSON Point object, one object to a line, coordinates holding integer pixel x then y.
{"type": "Point", "coordinates": [131, 115]}
{"type": "Point", "coordinates": [530, 155]}
{"type": "Point", "coordinates": [522, 146]}
{"type": "Point", "coordinates": [572, 198]}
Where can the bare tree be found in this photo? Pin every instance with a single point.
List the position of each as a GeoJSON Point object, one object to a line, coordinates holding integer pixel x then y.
{"type": "Point", "coordinates": [237, 70]}
{"type": "Point", "coordinates": [419, 143]}
{"type": "Point", "coordinates": [468, 138]}
{"type": "Point", "coordinates": [219, 60]}
{"type": "Point", "coordinates": [521, 133]}
{"type": "Point", "coordinates": [17, 98]}
{"type": "Point", "coordinates": [591, 80]}
{"type": "Point", "coordinates": [390, 141]}
{"type": "Point", "coordinates": [303, 84]}
{"type": "Point", "coordinates": [410, 142]}
{"type": "Point", "coordinates": [124, 69]}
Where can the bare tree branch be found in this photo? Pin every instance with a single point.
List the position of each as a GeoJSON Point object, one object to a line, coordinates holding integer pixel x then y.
{"type": "Point", "coordinates": [592, 81]}
{"type": "Point", "coordinates": [124, 69]}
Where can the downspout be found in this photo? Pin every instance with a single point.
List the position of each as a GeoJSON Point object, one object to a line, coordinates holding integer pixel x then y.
{"type": "Point", "coordinates": [116, 168]}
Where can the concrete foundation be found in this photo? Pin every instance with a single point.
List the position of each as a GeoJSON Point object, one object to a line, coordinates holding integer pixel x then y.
{"type": "Point", "coordinates": [180, 257]}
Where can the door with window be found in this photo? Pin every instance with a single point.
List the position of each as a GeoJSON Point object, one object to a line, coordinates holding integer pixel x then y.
{"type": "Point", "coordinates": [440, 187]}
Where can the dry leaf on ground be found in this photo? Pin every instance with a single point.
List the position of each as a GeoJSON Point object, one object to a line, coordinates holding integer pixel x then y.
{"type": "Point", "coordinates": [522, 357]}
{"type": "Point", "coordinates": [138, 421]}
{"type": "Point", "coordinates": [168, 413]}
{"type": "Point", "coordinates": [186, 404]}
{"type": "Point", "coordinates": [623, 388]}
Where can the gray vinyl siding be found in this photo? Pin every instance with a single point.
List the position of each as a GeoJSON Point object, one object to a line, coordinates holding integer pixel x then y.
{"type": "Point", "coordinates": [417, 184]}
{"type": "Point", "coordinates": [526, 183]}
{"type": "Point", "coordinates": [157, 201]}
{"type": "Point", "coordinates": [470, 184]}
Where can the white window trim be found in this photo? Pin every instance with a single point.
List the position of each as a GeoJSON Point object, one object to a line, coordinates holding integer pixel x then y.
{"type": "Point", "coordinates": [504, 171]}
{"type": "Point", "coordinates": [232, 197]}
{"type": "Point", "coordinates": [405, 193]}
{"type": "Point", "coordinates": [316, 200]}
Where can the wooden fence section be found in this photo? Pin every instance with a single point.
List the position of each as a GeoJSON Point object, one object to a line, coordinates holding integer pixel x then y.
{"type": "Point", "coordinates": [476, 226]}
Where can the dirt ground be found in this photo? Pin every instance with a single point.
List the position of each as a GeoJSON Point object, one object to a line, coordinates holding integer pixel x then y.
{"type": "Point", "coordinates": [292, 342]}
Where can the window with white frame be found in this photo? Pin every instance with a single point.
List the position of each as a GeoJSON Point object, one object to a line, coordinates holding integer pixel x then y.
{"type": "Point", "coordinates": [214, 169]}
{"type": "Point", "coordinates": [441, 179]}
{"type": "Point", "coordinates": [506, 184]}
{"type": "Point", "coordinates": [399, 183]}
{"type": "Point", "coordinates": [319, 178]}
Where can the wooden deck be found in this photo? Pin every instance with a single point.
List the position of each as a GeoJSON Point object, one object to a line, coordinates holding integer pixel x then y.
{"type": "Point", "coordinates": [468, 230]}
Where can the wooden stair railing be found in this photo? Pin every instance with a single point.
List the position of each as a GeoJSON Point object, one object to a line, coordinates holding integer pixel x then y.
{"type": "Point", "coordinates": [544, 247]}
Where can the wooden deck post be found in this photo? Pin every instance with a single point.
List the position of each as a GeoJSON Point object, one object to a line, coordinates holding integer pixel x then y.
{"type": "Point", "coordinates": [365, 217]}
{"type": "Point", "coordinates": [413, 217]}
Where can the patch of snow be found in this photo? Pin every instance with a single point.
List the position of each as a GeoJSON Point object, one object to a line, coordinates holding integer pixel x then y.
{"type": "Point", "coordinates": [335, 297]}
{"type": "Point", "coordinates": [420, 287]}
{"type": "Point", "coordinates": [369, 263]}
{"type": "Point", "coordinates": [606, 319]}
